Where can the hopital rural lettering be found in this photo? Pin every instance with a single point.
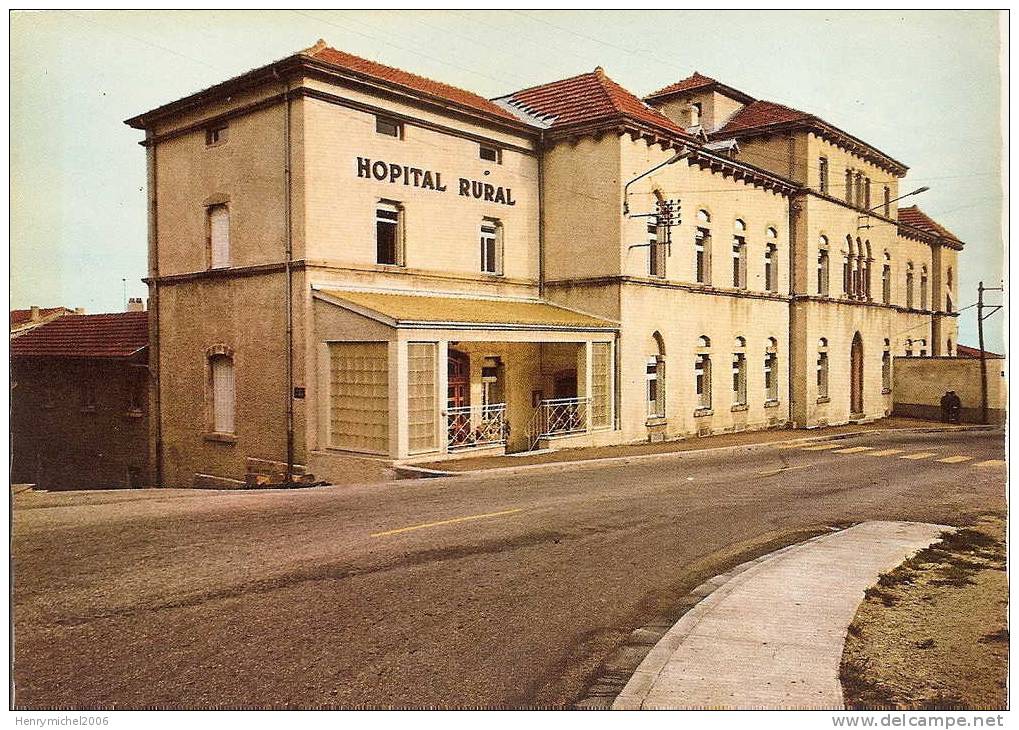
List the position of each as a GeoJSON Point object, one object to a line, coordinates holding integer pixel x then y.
{"type": "Point", "coordinates": [430, 180]}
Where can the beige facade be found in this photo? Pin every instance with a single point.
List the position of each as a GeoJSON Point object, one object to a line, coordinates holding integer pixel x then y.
{"type": "Point", "coordinates": [348, 262]}
{"type": "Point", "coordinates": [921, 382]}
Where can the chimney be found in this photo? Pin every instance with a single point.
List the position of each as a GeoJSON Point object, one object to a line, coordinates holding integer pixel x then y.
{"type": "Point", "coordinates": [79, 310]}
{"type": "Point", "coordinates": [134, 304]}
{"type": "Point", "coordinates": [35, 314]}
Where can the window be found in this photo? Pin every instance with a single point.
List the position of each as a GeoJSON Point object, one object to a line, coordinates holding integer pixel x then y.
{"type": "Point", "coordinates": [948, 348]}
{"type": "Point", "coordinates": [219, 236]}
{"type": "Point", "coordinates": [822, 172]}
{"type": "Point", "coordinates": [359, 396]}
{"type": "Point", "coordinates": [866, 193]}
{"type": "Point", "coordinates": [886, 368]}
{"type": "Point", "coordinates": [923, 347]}
{"type": "Point", "coordinates": [490, 154]}
{"type": "Point", "coordinates": [389, 127]}
{"type": "Point", "coordinates": [422, 396]}
{"type": "Point", "coordinates": [923, 287]}
{"type": "Point", "coordinates": [739, 256]}
{"type": "Point", "coordinates": [909, 348]}
{"type": "Point", "coordinates": [849, 186]}
{"type": "Point", "coordinates": [702, 249]}
{"type": "Point", "coordinates": [887, 201]}
{"type": "Point", "coordinates": [771, 370]}
{"type": "Point", "coordinates": [221, 367]}
{"type": "Point", "coordinates": [909, 285]}
{"type": "Point", "coordinates": [655, 249]}
{"type": "Point", "coordinates": [388, 233]}
{"type": "Point", "coordinates": [695, 113]}
{"type": "Point", "coordinates": [491, 247]}
{"type": "Point", "coordinates": [886, 280]}
{"type": "Point", "coordinates": [702, 374]}
{"type": "Point", "coordinates": [822, 368]}
{"type": "Point", "coordinates": [87, 392]}
{"type": "Point", "coordinates": [847, 274]}
{"type": "Point", "coordinates": [739, 373]}
{"type": "Point", "coordinates": [859, 189]}
{"type": "Point", "coordinates": [771, 261]}
{"type": "Point", "coordinates": [215, 135]}
{"type": "Point", "coordinates": [654, 399]}
{"type": "Point", "coordinates": [822, 267]}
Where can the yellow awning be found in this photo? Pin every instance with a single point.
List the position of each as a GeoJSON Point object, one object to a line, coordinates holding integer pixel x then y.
{"type": "Point", "coordinates": [403, 309]}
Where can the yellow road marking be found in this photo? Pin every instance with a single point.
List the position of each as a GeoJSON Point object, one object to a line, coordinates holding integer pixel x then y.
{"type": "Point", "coordinates": [445, 522]}
{"type": "Point", "coordinates": [886, 452]}
{"type": "Point", "coordinates": [954, 459]}
{"type": "Point", "coordinates": [773, 472]}
{"type": "Point", "coordinates": [821, 447]}
{"type": "Point", "coordinates": [991, 462]}
{"type": "Point", "coordinates": [789, 446]}
{"type": "Point", "coordinates": [854, 450]}
{"type": "Point", "coordinates": [920, 455]}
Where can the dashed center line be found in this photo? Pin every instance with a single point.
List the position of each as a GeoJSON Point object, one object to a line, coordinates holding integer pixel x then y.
{"type": "Point", "coordinates": [920, 455]}
{"type": "Point", "coordinates": [821, 447]}
{"type": "Point", "coordinates": [991, 462]}
{"type": "Point", "coordinates": [887, 452]}
{"type": "Point", "coordinates": [773, 472]}
{"type": "Point", "coordinates": [854, 450]}
{"type": "Point", "coordinates": [446, 522]}
{"type": "Point", "coordinates": [955, 459]}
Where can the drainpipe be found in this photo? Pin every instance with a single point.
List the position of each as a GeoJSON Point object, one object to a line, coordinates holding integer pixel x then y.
{"type": "Point", "coordinates": [541, 214]}
{"type": "Point", "coordinates": [154, 355]}
{"type": "Point", "coordinates": [288, 267]}
{"type": "Point", "coordinates": [795, 205]}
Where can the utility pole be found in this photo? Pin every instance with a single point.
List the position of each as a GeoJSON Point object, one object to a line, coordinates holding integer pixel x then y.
{"type": "Point", "coordinates": [980, 335]}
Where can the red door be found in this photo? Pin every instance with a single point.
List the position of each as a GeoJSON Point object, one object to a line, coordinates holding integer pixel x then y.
{"type": "Point", "coordinates": [459, 396]}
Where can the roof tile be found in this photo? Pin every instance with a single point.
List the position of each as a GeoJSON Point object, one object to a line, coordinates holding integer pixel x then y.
{"type": "Point", "coordinates": [589, 97]}
{"type": "Point", "coordinates": [913, 216]}
{"type": "Point", "coordinates": [86, 336]}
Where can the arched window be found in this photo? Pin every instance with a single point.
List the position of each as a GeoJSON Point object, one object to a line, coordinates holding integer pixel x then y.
{"type": "Point", "coordinates": [739, 255]}
{"type": "Point", "coordinates": [739, 373]}
{"type": "Point", "coordinates": [702, 248]}
{"type": "Point", "coordinates": [655, 378]}
{"type": "Point", "coordinates": [869, 261]}
{"type": "Point", "coordinates": [695, 114]}
{"type": "Point", "coordinates": [886, 368]}
{"type": "Point", "coordinates": [923, 287]}
{"type": "Point", "coordinates": [771, 371]}
{"type": "Point", "coordinates": [702, 373]}
{"type": "Point", "coordinates": [822, 369]}
{"type": "Point", "coordinates": [771, 260]}
{"type": "Point", "coordinates": [822, 266]}
{"type": "Point", "coordinates": [949, 348]}
{"type": "Point", "coordinates": [886, 279]}
{"type": "Point", "coordinates": [909, 285]}
{"type": "Point", "coordinates": [221, 390]}
{"type": "Point", "coordinates": [847, 267]}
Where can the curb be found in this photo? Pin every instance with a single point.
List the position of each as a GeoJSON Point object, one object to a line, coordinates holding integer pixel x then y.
{"type": "Point", "coordinates": [668, 455]}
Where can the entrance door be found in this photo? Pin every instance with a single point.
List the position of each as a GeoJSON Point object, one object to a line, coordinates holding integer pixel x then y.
{"type": "Point", "coordinates": [856, 375]}
{"type": "Point", "coordinates": [458, 399]}
{"type": "Point", "coordinates": [565, 385]}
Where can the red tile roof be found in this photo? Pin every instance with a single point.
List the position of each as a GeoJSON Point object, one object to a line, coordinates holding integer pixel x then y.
{"type": "Point", "coordinates": [86, 336]}
{"type": "Point", "coordinates": [964, 351]}
{"type": "Point", "coordinates": [762, 114]}
{"type": "Point", "coordinates": [696, 82]}
{"type": "Point", "coordinates": [21, 317]}
{"type": "Point", "coordinates": [913, 216]}
{"type": "Point", "coordinates": [589, 97]}
{"type": "Point", "coordinates": [349, 62]}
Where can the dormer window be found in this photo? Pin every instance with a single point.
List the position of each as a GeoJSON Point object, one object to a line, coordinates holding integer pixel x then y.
{"type": "Point", "coordinates": [695, 113]}
{"type": "Point", "coordinates": [490, 154]}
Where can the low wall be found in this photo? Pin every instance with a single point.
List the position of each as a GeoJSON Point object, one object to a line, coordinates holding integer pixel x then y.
{"type": "Point", "coordinates": [919, 383]}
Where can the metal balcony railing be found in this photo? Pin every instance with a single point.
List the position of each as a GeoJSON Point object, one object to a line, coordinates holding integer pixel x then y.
{"type": "Point", "coordinates": [474, 426]}
{"type": "Point", "coordinates": [559, 417]}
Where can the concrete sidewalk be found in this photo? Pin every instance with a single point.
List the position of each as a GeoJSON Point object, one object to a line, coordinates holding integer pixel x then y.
{"type": "Point", "coordinates": [771, 635]}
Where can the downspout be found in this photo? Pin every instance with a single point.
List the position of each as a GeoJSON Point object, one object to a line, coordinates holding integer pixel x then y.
{"type": "Point", "coordinates": [154, 353]}
{"type": "Point", "coordinates": [541, 214]}
{"type": "Point", "coordinates": [794, 211]}
{"type": "Point", "coordinates": [288, 268]}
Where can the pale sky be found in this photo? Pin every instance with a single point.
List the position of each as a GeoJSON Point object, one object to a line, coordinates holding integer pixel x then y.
{"type": "Point", "coordinates": [922, 86]}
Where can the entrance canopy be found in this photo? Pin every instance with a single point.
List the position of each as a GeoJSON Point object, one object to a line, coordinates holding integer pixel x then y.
{"type": "Point", "coordinates": [455, 312]}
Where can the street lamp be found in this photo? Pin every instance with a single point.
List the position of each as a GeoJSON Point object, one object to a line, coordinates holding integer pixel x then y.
{"type": "Point", "coordinates": [923, 189]}
{"type": "Point", "coordinates": [685, 152]}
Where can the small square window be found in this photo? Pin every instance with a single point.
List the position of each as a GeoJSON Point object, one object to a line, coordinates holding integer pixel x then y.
{"type": "Point", "coordinates": [490, 154]}
{"type": "Point", "coordinates": [215, 135]}
{"type": "Point", "coordinates": [388, 127]}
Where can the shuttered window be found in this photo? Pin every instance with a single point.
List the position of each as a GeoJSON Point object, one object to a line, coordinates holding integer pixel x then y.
{"type": "Point", "coordinates": [601, 385]}
{"type": "Point", "coordinates": [422, 410]}
{"type": "Point", "coordinates": [223, 393]}
{"type": "Point", "coordinates": [359, 397]}
{"type": "Point", "coordinates": [219, 236]}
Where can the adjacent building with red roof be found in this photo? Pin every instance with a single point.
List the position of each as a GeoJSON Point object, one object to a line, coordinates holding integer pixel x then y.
{"type": "Point", "coordinates": [23, 320]}
{"type": "Point", "coordinates": [80, 402]}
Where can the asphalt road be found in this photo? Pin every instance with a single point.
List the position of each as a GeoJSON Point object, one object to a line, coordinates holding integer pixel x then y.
{"type": "Point", "coordinates": [322, 597]}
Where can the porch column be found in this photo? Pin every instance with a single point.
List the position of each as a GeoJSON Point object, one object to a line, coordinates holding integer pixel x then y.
{"type": "Point", "coordinates": [588, 380]}
{"type": "Point", "coordinates": [398, 370]}
{"type": "Point", "coordinates": [442, 385]}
